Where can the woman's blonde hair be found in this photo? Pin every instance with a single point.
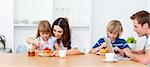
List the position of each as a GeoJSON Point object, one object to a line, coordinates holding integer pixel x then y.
{"type": "Point", "coordinates": [115, 26]}
{"type": "Point", "coordinates": [43, 26]}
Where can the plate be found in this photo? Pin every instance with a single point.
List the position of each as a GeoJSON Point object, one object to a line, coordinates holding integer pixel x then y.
{"type": "Point", "coordinates": [106, 60]}
{"type": "Point", "coordinates": [44, 54]}
{"type": "Point", "coordinates": [98, 53]}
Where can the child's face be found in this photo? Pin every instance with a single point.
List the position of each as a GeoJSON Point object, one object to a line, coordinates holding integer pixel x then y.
{"type": "Point", "coordinates": [112, 35]}
{"type": "Point", "coordinates": [45, 35]}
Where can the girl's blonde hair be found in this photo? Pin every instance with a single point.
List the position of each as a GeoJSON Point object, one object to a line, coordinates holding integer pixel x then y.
{"type": "Point", "coordinates": [115, 26]}
{"type": "Point", "coordinates": [43, 26]}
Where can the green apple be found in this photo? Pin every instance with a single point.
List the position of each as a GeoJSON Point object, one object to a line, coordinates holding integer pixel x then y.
{"type": "Point", "coordinates": [131, 40]}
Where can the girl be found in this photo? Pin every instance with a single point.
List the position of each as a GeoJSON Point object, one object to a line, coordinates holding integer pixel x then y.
{"type": "Point", "coordinates": [114, 30]}
{"type": "Point", "coordinates": [44, 38]}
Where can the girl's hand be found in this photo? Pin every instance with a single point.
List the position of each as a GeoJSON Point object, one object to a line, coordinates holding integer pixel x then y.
{"type": "Point", "coordinates": [37, 44]}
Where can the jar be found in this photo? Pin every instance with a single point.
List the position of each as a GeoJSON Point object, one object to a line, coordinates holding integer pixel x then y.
{"type": "Point", "coordinates": [31, 52]}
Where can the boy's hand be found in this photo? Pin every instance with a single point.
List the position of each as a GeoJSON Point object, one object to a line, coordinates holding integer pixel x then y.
{"type": "Point", "coordinates": [121, 52]}
{"type": "Point", "coordinates": [127, 52]}
{"type": "Point", "coordinates": [103, 45]}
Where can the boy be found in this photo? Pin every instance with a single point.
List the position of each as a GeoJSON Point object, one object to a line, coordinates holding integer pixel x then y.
{"type": "Point", "coordinates": [114, 30]}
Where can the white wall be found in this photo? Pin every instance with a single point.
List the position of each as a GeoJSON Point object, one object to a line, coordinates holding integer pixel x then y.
{"type": "Point", "coordinates": [21, 34]}
{"type": "Point", "coordinates": [83, 34]}
{"type": "Point", "coordinates": [105, 10]}
{"type": "Point", "coordinates": [6, 21]}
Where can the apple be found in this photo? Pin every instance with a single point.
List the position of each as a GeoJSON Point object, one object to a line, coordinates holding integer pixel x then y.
{"type": "Point", "coordinates": [131, 40]}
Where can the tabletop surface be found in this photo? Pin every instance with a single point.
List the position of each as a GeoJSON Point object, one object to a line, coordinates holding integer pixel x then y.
{"type": "Point", "coordinates": [86, 60]}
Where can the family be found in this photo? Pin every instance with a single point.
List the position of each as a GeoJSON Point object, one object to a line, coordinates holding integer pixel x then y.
{"type": "Point", "coordinates": [59, 36]}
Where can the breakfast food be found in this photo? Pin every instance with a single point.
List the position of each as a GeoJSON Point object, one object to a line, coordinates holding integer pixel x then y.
{"type": "Point", "coordinates": [44, 54]}
{"type": "Point", "coordinates": [104, 50]}
{"type": "Point", "coordinates": [47, 50]}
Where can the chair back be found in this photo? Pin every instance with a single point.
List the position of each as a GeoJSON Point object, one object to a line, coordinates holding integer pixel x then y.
{"type": "Point", "coordinates": [2, 42]}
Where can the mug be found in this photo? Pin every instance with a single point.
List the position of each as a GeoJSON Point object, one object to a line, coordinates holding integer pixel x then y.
{"type": "Point", "coordinates": [111, 56]}
{"type": "Point", "coordinates": [62, 52]}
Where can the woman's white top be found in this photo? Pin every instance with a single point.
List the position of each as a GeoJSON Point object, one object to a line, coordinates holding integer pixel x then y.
{"type": "Point", "coordinates": [76, 43]}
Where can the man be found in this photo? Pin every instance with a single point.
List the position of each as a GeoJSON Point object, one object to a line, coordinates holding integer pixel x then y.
{"type": "Point", "coordinates": [141, 22]}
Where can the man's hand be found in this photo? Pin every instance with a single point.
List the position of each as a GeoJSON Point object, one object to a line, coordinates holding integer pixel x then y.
{"type": "Point", "coordinates": [139, 51]}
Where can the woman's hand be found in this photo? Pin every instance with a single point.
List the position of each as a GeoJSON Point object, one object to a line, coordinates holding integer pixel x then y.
{"type": "Point", "coordinates": [55, 53]}
{"type": "Point", "coordinates": [57, 46]}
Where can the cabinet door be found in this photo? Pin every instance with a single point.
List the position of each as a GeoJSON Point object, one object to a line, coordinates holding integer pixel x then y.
{"type": "Point", "coordinates": [77, 11]}
{"type": "Point", "coordinates": [33, 10]}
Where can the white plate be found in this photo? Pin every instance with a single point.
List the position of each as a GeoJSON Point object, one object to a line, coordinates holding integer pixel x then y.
{"type": "Point", "coordinates": [106, 60]}
{"type": "Point", "coordinates": [43, 54]}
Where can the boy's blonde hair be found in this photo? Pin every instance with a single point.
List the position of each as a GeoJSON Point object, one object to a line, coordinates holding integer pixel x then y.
{"type": "Point", "coordinates": [43, 26]}
{"type": "Point", "coordinates": [115, 26]}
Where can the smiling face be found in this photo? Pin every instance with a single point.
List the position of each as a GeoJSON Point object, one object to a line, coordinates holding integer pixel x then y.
{"type": "Point", "coordinates": [58, 31]}
{"type": "Point", "coordinates": [139, 29]}
{"type": "Point", "coordinates": [45, 35]}
{"type": "Point", "coordinates": [141, 22]}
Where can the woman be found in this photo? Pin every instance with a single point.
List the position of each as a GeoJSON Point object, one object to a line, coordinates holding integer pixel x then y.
{"type": "Point", "coordinates": [61, 30]}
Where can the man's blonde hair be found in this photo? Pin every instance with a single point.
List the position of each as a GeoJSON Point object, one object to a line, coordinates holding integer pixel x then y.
{"type": "Point", "coordinates": [115, 26]}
